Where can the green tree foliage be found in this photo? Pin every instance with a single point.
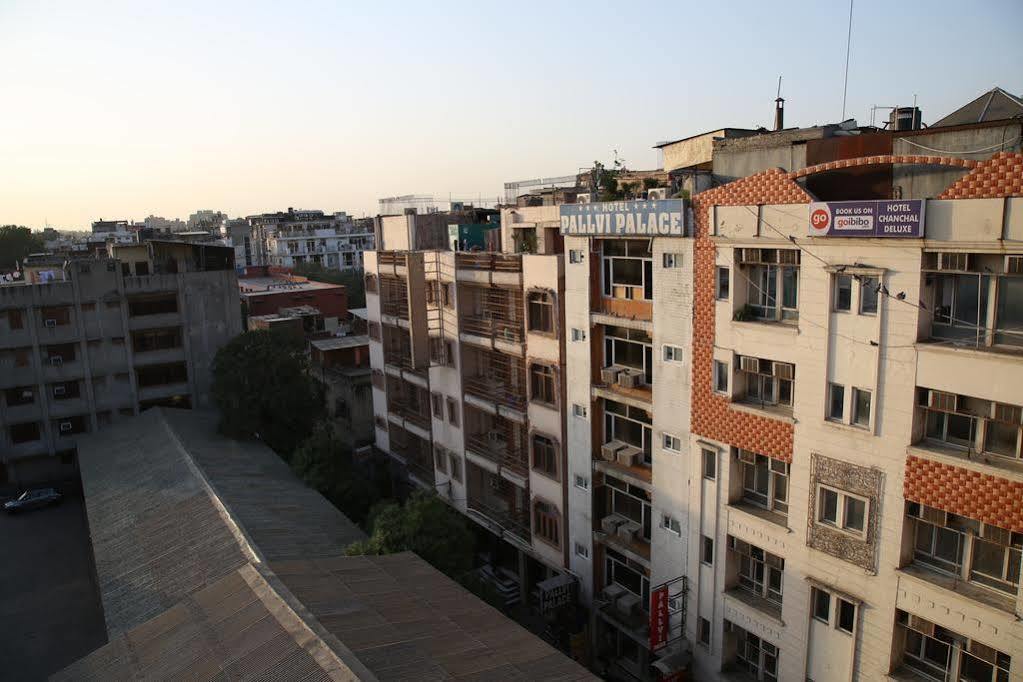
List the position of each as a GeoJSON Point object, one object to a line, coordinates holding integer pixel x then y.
{"type": "Point", "coordinates": [325, 463]}
{"type": "Point", "coordinates": [426, 525]}
{"type": "Point", "coordinates": [16, 242]}
{"type": "Point", "coordinates": [263, 390]}
{"type": "Point", "coordinates": [353, 280]}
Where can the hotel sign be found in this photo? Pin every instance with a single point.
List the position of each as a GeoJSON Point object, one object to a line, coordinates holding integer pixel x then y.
{"type": "Point", "coordinates": [656, 218]}
{"type": "Point", "coordinates": [660, 623]}
{"type": "Point", "coordinates": [895, 218]}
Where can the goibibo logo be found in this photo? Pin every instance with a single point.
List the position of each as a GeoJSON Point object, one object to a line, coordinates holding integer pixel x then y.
{"type": "Point", "coordinates": [820, 221]}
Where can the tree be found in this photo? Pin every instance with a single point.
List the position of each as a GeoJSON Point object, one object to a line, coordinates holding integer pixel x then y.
{"type": "Point", "coordinates": [263, 390]}
{"type": "Point", "coordinates": [325, 463]}
{"type": "Point", "coordinates": [16, 242]}
{"type": "Point", "coordinates": [425, 525]}
{"type": "Point", "coordinates": [352, 279]}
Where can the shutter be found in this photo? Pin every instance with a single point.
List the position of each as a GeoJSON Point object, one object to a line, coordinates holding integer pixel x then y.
{"type": "Point", "coordinates": [749, 364]}
{"type": "Point", "coordinates": [946, 402]}
{"type": "Point", "coordinates": [1014, 265]}
{"type": "Point", "coordinates": [784, 370]}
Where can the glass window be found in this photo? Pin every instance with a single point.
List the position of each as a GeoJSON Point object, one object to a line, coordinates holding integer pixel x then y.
{"type": "Point", "coordinates": [710, 461]}
{"type": "Point", "coordinates": [722, 283]}
{"type": "Point", "coordinates": [861, 407]}
{"type": "Point", "coordinates": [707, 551]}
{"type": "Point", "coordinates": [720, 377]}
{"type": "Point", "coordinates": [869, 287]}
{"type": "Point", "coordinates": [843, 292]}
{"type": "Point", "coordinates": [829, 506]}
{"type": "Point", "coordinates": [822, 605]}
{"type": "Point", "coordinates": [855, 514]}
{"type": "Point", "coordinates": [846, 616]}
{"type": "Point", "coordinates": [1009, 313]}
{"type": "Point", "coordinates": [836, 402]}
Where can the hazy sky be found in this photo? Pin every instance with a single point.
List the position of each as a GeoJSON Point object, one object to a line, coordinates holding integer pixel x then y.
{"type": "Point", "coordinates": [120, 110]}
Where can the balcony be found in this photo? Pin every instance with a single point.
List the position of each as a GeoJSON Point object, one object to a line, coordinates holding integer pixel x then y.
{"type": "Point", "coordinates": [494, 269]}
{"type": "Point", "coordinates": [498, 504]}
{"type": "Point", "coordinates": [398, 350]}
{"type": "Point", "coordinates": [415, 451]}
{"type": "Point", "coordinates": [624, 611]}
{"type": "Point", "coordinates": [498, 440]}
{"type": "Point", "coordinates": [495, 377]}
{"type": "Point", "coordinates": [493, 316]}
{"type": "Point", "coordinates": [624, 381]}
{"type": "Point", "coordinates": [408, 402]}
{"type": "Point", "coordinates": [394, 297]}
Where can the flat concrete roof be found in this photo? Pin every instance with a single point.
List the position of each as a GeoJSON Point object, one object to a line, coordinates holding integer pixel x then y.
{"type": "Point", "coordinates": [339, 342]}
{"type": "Point", "coordinates": [262, 286]}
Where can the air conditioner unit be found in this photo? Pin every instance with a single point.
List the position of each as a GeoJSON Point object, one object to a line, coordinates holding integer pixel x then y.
{"type": "Point", "coordinates": [56, 361]}
{"type": "Point", "coordinates": [747, 457]}
{"type": "Point", "coordinates": [612, 592]}
{"type": "Point", "coordinates": [609, 451]}
{"type": "Point", "coordinates": [65, 427]}
{"type": "Point", "coordinates": [585, 198]}
{"type": "Point", "coordinates": [1014, 265]}
{"type": "Point", "coordinates": [657, 193]}
{"type": "Point", "coordinates": [627, 531]}
{"type": "Point", "coordinates": [630, 378]}
{"type": "Point", "coordinates": [50, 323]}
{"type": "Point", "coordinates": [59, 391]}
{"type": "Point", "coordinates": [629, 603]}
{"type": "Point", "coordinates": [628, 456]}
{"type": "Point", "coordinates": [27, 394]}
{"type": "Point", "coordinates": [784, 370]}
{"type": "Point", "coordinates": [953, 261]}
{"type": "Point", "coordinates": [939, 400]}
{"type": "Point", "coordinates": [609, 524]}
{"type": "Point", "coordinates": [749, 364]}
{"type": "Point", "coordinates": [609, 375]}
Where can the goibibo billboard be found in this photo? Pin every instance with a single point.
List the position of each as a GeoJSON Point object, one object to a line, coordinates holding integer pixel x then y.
{"type": "Point", "coordinates": [643, 218]}
{"type": "Point", "coordinates": [879, 219]}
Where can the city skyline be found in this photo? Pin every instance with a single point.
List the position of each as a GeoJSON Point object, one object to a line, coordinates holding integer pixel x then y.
{"type": "Point", "coordinates": [122, 113]}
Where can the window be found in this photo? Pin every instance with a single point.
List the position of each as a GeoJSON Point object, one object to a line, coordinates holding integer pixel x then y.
{"type": "Point", "coordinates": [582, 550]}
{"type": "Point", "coordinates": [374, 331]}
{"type": "Point", "coordinates": [65, 391]}
{"type": "Point", "coordinates": [760, 573]}
{"type": "Point", "coordinates": [55, 316]}
{"type": "Point", "coordinates": [618, 571]}
{"type": "Point", "coordinates": [22, 395]}
{"type": "Point", "coordinates": [24, 433]}
{"type": "Point", "coordinates": [836, 402]}
{"type": "Point", "coordinates": [722, 284]}
{"type": "Point", "coordinates": [707, 550]}
{"type": "Point", "coordinates": [765, 481]}
{"type": "Point", "coordinates": [578, 410]}
{"type": "Point", "coordinates": [869, 288]}
{"type": "Point", "coordinates": [672, 353]}
{"type": "Point", "coordinates": [15, 320]}
{"type": "Point", "coordinates": [672, 260]}
{"type": "Point", "coordinates": [843, 292]}
{"type": "Point", "coordinates": [440, 458]}
{"type": "Point", "coordinates": [846, 616]}
{"type": "Point", "coordinates": [627, 269]}
{"type": "Point", "coordinates": [541, 384]}
{"type": "Point", "coordinates": [447, 294]}
{"type": "Point", "coordinates": [766, 383]}
{"type": "Point", "coordinates": [160, 304]}
{"type": "Point", "coordinates": [822, 605]}
{"type": "Point", "coordinates": [575, 256]}
{"type": "Point", "coordinates": [541, 312]}
{"type": "Point", "coordinates": [861, 407]}
{"type": "Point", "coordinates": [631, 502]}
{"type": "Point", "coordinates": [842, 510]}
{"type": "Point", "coordinates": [630, 425]}
{"type": "Point", "coordinates": [671, 524]}
{"type": "Point", "coordinates": [456, 467]}
{"type": "Point", "coordinates": [582, 482]}
{"type": "Point", "coordinates": [673, 443]}
{"type": "Point", "coordinates": [155, 339]}
{"type": "Point", "coordinates": [438, 405]}
{"type": "Point", "coordinates": [710, 464]}
{"type": "Point", "coordinates": [629, 348]}
{"type": "Point", "coordinates": [160, 375]}
{"type": "Point", "coordinates": [545, 522]}
{"type": "Point", "coordinates": [934, 652]}
{"type": "Point", "coordinates": [772, 272]}
{"type": "Point", "coordinates": [578, 334]}
{"type": "Point", "coordinates": [754, 655]}
{"type": "Point", "coordinates": [545, 456]}
{"type": "Point", "coordinates": [452, 412]}
{"type": "Point", "coordinates": [703, 631]}
{"type": "Point", "coordinates": [720, 377]}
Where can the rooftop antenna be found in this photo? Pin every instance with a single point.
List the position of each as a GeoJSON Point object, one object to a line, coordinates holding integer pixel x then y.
{"type": "Point", "coordinates": [779, 109]}
{"type": "Point", "coordinates": [848, 45]}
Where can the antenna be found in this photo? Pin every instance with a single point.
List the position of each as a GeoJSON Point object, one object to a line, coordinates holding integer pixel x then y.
{"type": "Point", "coordinates": [848, 45]}
{"type": "Point", "coordinates": [779, 86]}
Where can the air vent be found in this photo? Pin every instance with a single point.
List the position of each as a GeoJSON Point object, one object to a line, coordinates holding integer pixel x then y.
{"type": "Point", "coordinates": [65, 427]}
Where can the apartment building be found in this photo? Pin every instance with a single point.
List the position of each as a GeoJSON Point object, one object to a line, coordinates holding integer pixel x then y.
{"type": "Point", "coordinates": [628, 314]}
{"type": "Point", "coordinates": [855, 507]}
{"type": "Point", "coordinates": [295, 237]}
{"type": "Point", "coordinates": [468, 375]}
{"type": "Point", "coordinates": [86, 342]}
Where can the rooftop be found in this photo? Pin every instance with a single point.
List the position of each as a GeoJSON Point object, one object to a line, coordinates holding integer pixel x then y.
{"type": "Point", "coordinates": [260, 286]}
{"type": "Point", "coordinates": [339, 342]}
{"type": "Point", "coordinates": [994, 105]}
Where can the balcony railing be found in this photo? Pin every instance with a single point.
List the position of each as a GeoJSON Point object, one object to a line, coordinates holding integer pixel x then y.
{"type": "Point", "coordinates": [416, 452]}
{"type": "Point", "coordinates": [394, 297]}
{"type": "Point", "coordinates": [515, 521]}
{"type": "Point", "coordinates": [493, 328]}
{"type": "Point", "coordinates": [497, 377]}
{"type": "Point", "coordinates": [488, 261]}
{"type": "Point", "coordinates": [390, 258]}
{"type": "Point", "coordinates": [500, 440]}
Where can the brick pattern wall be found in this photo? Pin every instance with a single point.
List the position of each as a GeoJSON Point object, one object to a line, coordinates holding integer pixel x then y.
{"type": "Point", "coordinates": [1000, 176]}
{"type": "Point", "coordinates": [882, 160]}
{"type": "Point", "coordinates": [969, 493]}
{"type": "Point", "coordinates": [712, 415]}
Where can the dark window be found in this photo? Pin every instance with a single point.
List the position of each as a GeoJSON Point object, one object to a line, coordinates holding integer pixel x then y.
{"type": "Point", "coordinates": [22, 395]}
{"type": "Point", "coordinates": [545, 455]}
{"type": "Point", "coordinates": [15, 320]}
{"type": "Point", "coordinates": [722, 283]}
{"type": "Point", "coordinates": [707, 550]}
{"type": "Point", "coordinates": [846, 616]}
{"type": "Point", "coordinates": [55, 316]}
{"type": "Point", "coordinates": [546, 522]}
{"type": "Point", "coordinates": [843, 292]}
{"type": "Point", "coordinates": [541, 381]}
{"type": "Point", "coordinates": [64, 351]}
{"type": "Point", "coordinates": [541, 312]}
{"type": "Point", "coordinates": [836, 402]}
{"type": "Point", "coordinates": [65, 391]}
{"type": "Point", "coordinates": [153, 305]}
{"type": "Point", "coordinates": [159, 375]}
{"type": "Point", "coordinates": [710, 463]}
{"type": "Point", "coordinates": [704, 631]}
{"type": "Point", "coordinates": [155, 339]}
{"type": "Point", "coordinates": [822, 605]}
{"type": "Point", "coordinates": [24, 433]}
{"type": "Point", "coordinates": [142, 268]}
{"type": "Point", "coordinates": [868, 295]}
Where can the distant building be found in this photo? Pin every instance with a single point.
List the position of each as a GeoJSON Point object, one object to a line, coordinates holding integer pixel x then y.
{"type": "Point", "coordinates": [341, 364]}
{"type": "Point", "coordinates": [109, 226]}
{"type": "Point", "coordinates": [266, 291]}
{"type": "Point", "coordinates": [85, 342]}
{"type": "Point", "coordinates": [164, 225]}
{"type": "Point", "coordinates": [205, 221]}
{"type": "Point", "coordinates": [296, 237]}
{"type": "Point", "coordinates": [429, 203]}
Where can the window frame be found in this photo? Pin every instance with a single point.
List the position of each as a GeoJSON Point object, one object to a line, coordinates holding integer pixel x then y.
{"type": "Point", "coordinates": [830, 416]}
{"type": "Point", "coordinates": [711, 456]}
{"type": "Point", "coordinates": [719, 367]}
{"type": "Point", "coordinates": [865, 286]}
{"type": "Point", "coordinates": [841, 509]}
{"type": "Point", "coordinates": [550, 452]}
{"type": "Point", "coordinates": [722, 287]}
{"type": "Point", "coordinates": [671, 524]}
{"type": "Point", "coordinates": [839, 283]}
{"type": "Point", "coordinates": [706, 550]}
{"type": "Point", "coordinates": [772, 502]}
{"type": "Point", "coordinates": [855, 416]}
{"type": "Point", "coordinates": [671, 443]}
{"type": "Point", "coordinates": [539, 374]}
{"type": "Point", "coordinates": [670, 353]}
{"type": "Point", "coordinates": [542, 302]}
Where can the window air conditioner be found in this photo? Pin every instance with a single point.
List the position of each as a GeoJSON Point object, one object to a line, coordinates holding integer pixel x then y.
{"type": "Point", "coordinates": [630, 378]}
{"type": "Point", "coordinates": [629, 603]}
{"type": "Point", "coordinates": [627, 456]}
{"type": "Point", "coordinates": [609, 524]}
{"type": "Point", "coordinates": [657, 193]}
{"type": "Point", "coordinates": [65, 427]}
{"type": "Point", "coordinates": [59, 391]}
{"type": "Point", "coordinates": [627, 531]}
{"type": "Point", "coordinates": [50, 323]}
{"type": "Point", "coordinates": [56, 361]}
{"type": "Point", "coordinates": [609, 375]}
{"type": "Point", "coordinates": [609, 451]}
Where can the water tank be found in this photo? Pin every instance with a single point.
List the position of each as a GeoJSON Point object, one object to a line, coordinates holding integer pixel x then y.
{"type": "Point", "coordinates": [904, 118]}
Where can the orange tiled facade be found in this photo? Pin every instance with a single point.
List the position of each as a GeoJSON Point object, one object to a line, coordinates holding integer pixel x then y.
{"type": "Point", "coordinates": [712, 415]}
{"type": "Point", "coordinates": [998, 177]}
{"type": "Point", "coordinates": [973, 494]}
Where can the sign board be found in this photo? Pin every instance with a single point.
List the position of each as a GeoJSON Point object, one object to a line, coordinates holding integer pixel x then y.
{"type": "Point", "coordinates": [901, 218]}
{"type": "Point", "coordinates": [657, 218]}
{"type": "Point", "coordinates": [556, 592]}
{"type": "Point", "coordinates": [659, 617]}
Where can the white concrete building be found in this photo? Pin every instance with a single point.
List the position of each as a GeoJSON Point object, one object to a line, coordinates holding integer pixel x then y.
{"type": "Point", "coordinates": [294, 237]}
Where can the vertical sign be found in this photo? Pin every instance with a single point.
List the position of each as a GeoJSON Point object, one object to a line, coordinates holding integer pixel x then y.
{"type": "Point", "coordinates": [659, 617]}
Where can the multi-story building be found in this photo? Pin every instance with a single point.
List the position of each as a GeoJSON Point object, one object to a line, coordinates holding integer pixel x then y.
{"type": "Point", "coordinates": [268, 291]}
{"type": "Point", "coordinates": [89, 341]}
{"type": "Point", "coordinates": [855, 507]}
{"type": "Point", "coordinates": [291, 238]}
{"type": "Point", "coordinates": [467, 351]}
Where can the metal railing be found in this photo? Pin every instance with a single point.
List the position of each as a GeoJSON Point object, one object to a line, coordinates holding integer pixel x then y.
{"type": "Point", "coordinates": [511, 520]}
{"type": "Point", "coordinates": [497, 262]}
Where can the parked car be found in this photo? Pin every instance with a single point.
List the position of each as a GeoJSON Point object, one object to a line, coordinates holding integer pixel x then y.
{"type": "Point", "coordinates": [32, 499]}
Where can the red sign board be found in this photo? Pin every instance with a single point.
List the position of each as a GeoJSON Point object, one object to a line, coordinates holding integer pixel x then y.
{"type": "Point", "coordinates": [659, 617]}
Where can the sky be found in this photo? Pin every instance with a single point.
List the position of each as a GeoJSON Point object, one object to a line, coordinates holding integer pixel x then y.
{"type": "Point", "coordinates": [125, 109]}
